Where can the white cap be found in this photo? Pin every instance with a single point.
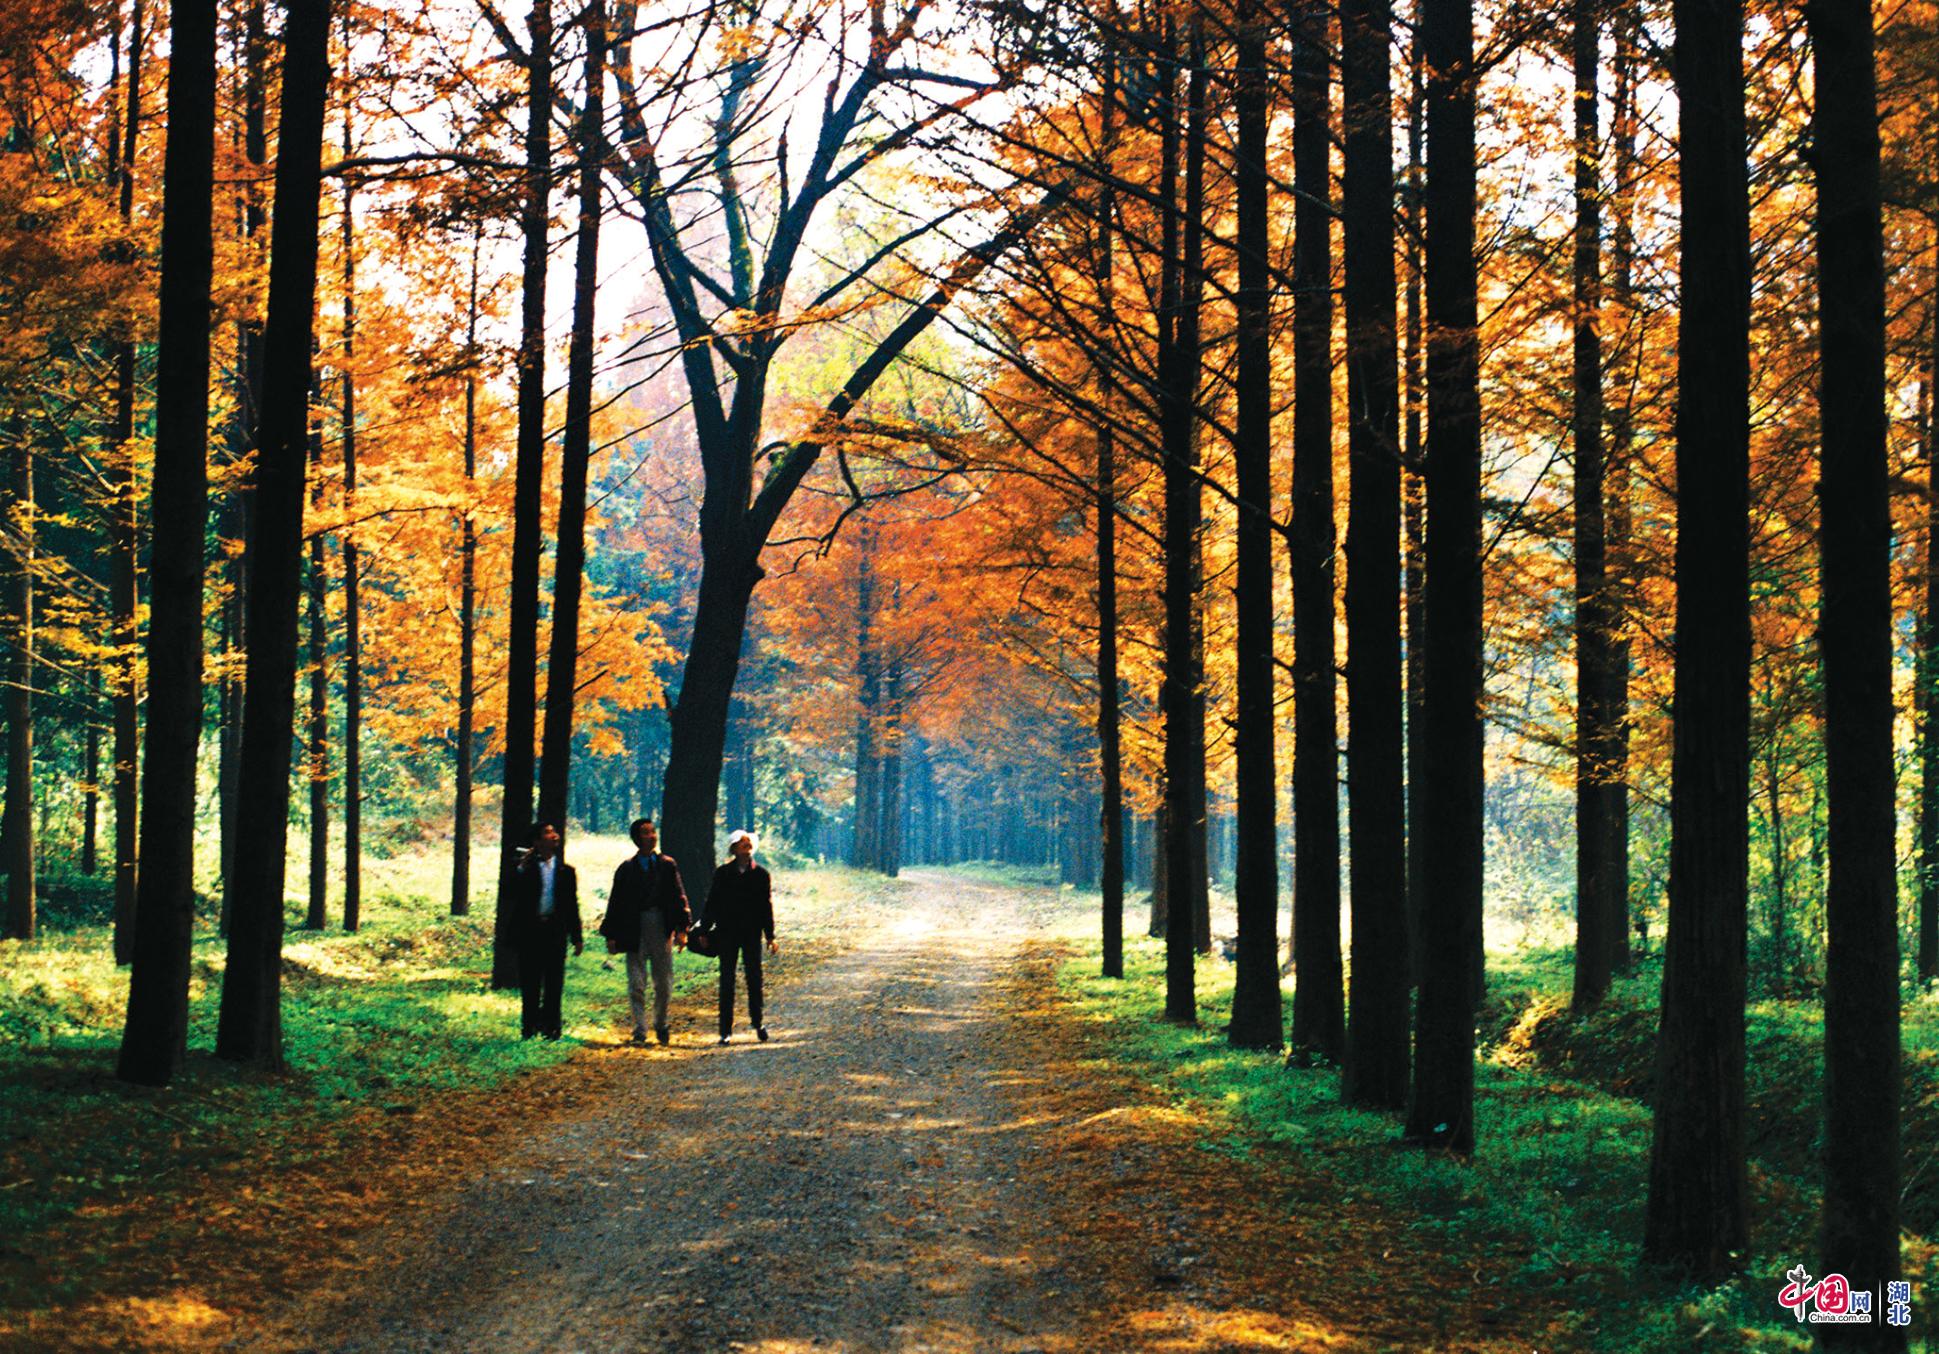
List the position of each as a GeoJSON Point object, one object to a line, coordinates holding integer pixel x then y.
{"type": "Point", "coordinates": [741, 834]}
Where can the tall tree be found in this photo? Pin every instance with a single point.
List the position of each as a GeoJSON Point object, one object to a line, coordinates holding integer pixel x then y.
{"type": "Point", "coordinates": [123, 541]}
{"type": "Point", "coordinates": [1376, 1051]}
{"type": "Point", "coordinates": [1861, 1128]}
{"type": "Point", "coordinates": [1441, 1110]}
{"type": "Point", "coordinates": [467, 608]}
{"type": "Point", "coordinates": [1414, 521]}
{"type": "Point", "coordinates": [1319, 1001]}
{"type": "Point", "coordinates": [1696, 1216]}
{"type": "Point", "coordinates": [562, 666]}
{"type": "Point", "coordinates": [316, 760]}
{"type": "Point", "coordinates": [1105, 507]}
{"type": "Point", "coordinates": [1256, 1016]}
{"type": "Point", "coordinates": [521, 671]}
{"type": "Point", "coordinates": [250, 1027]}
{"type": "Point", "coordinates": [155, 1038]}
{"type": "Point", "coordinates": [737, 514]}
{"type": "Point", "coordinates": [1620, 586]}
{"type": "Point", "coordinates": [1600, 693]}
{"type": "Point", "coordinates": [17, 823]}
{"type": "Point", "coordinates": [233, 517]}
{"type": "Point", "coordinates": [353, 675]}
{"type": "Point", "coordinates": [1178, 363]}
{"type": "Point", "coordinates": [1928, 697]}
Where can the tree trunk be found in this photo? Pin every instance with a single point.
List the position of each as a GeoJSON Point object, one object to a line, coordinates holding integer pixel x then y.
{"type": "Point", "coordinates": [17, 828]}
{"type": "Point", "coordinates": [1257, 1018]}
{"type": "Point", "coordinates": [690, 797]}
{"type": "Point", "coordinates": [316, 772]}
{"type": "Point", "coordinates": [1105, 507]}
{"type": "Point", "coordinates": [1621, 566]}
{"type": "Point", "coordinates": [1178, 358]}
{"type": "Point", "coordinates": [91, 793]}
{"type": "Point", "coordinates": [467, 612]}
{"type": "Point", "coordinates": [353, 678]}
{"type": "Point", "coordinates": [124, 139]}
{"type": "Point", "coordinates": [155, 1039]}
{"type": "Point", "coordinates": [1319, 1004]}
{"type": "Point", "coordinates": [888, 832]}
{"type": "Point", "coordinates": [1861, 1133]}
{"type": "Point", "coordinates": [1441, 1111]}
{"type": "Point", "coordinates": [1414, 530]}
{"type": "Point", "coordinates": [562, 665]}
{"type": "Point", "coordinates": [250, 1027]}
{"type": "Point", "coordinates": [249, 380]}
{"type": "Point", "coordinates": [522, 648]}
{"type": "Point", "coordinates": [1598, 726]}
{"type": "Point", "coordinates": [1376, 1048]}
{"type": "Point", "coordinates": [1696, 1216]}
{"type": "Point", "coordinates": [1928, 695]}
{"type": "Point", "coordinates": [1160, 906]}
{"type": "Point", "coordinates": [868, 668]}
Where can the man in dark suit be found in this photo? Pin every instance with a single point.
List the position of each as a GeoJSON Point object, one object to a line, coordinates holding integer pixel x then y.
{"type": "Point", "coordinates": [740, 910]}
{"type": "Point", "coordinates": [646, 915]}
{"type": "Point", "coordinates": [545, 917]}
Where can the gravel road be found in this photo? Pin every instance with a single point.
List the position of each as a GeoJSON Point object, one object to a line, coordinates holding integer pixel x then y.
{"type": "Point", "coordinates": [851, 1185]}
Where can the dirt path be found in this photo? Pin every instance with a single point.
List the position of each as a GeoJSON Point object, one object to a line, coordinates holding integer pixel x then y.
{"type": "Point", "coordinates": [903, 1167]}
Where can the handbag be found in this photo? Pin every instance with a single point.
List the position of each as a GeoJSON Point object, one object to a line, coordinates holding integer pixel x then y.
{"type": "Point", "coordinates": [704, 942]}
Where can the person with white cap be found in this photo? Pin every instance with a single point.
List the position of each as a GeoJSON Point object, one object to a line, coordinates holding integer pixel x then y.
{"type": "Point", "coordinates": [740, 911]}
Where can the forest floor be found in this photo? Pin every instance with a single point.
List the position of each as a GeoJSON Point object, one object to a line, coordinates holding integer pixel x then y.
{"type": "Point", "coordinates": [930, 1154]}
{"type": "Point", "coordinates": [958, 1139]}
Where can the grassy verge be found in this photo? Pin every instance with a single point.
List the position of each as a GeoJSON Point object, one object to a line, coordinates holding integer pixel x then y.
{"type": "Point", "coordinates": [379, 1027]}
{"type": "Point", "coordinates": [1528, 1023]}
{"type": "Point", "coordinates": [1550, 1208]}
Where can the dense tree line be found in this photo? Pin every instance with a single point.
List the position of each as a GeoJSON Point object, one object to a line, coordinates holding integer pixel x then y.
{"type": "Point", "coordinates": [966, 485]}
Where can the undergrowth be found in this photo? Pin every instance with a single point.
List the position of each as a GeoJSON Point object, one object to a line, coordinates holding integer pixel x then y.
{"type": "Point", "coordinates": [380, 1021]}
{"type": "Point", "coordinates": [1550, 1208]}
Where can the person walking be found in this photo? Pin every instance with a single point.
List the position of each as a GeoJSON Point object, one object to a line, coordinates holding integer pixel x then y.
{"type": "Point", "coordinates": [646, 916]}
{"type": "Point", "coordinates": [545, 918]}
{"type": "Point", "coordinates": [740, 911]}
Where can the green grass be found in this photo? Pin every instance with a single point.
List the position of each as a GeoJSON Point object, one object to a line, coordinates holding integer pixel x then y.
{"type": "Point", "coordinates": [388, 1018]}
{"type": "Point", "coordinates": [1527, 1022]}
{"type": "Point", "coordinates": [1549, 1211]}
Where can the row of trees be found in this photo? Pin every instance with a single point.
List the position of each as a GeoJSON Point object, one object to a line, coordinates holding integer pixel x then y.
{"type": "Point", "coordinates": [981, 498]}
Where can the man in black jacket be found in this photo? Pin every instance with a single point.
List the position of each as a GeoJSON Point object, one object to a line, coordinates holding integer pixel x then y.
{"type": "Point", "coordinates": [545, 916]}
{"type": "Point", "coordinates": [646, 914]}
{"type": "Point", "coordinates": [740, 909]}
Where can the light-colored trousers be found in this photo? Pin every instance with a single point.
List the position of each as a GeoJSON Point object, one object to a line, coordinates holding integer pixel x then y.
{"type": "Point", "coordinates": [655, 952]}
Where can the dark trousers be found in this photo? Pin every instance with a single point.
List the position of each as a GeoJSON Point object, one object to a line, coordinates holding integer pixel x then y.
{"type": "Point", "coordinates": [748, 950]}
{"type": "Point", "coordinates": [541, 979]}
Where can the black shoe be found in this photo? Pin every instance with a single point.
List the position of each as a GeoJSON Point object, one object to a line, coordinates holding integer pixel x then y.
{"type": "Point", "coordinates": [639, 1039]}
{"type": "Point", "coordinates": [761, 1033]}
{"type": "Point", "coordinates": [661, 1035]}
{"type": "Point", "coordinates": [723, 1039]}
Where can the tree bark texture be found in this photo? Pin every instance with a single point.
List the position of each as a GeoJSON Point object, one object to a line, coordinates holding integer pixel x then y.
{"type": "Point", "coordinates": [1696, 1218]}
{"type": "Point", "coordinates": [1441, 1110]}
{"type": "Point", "coordinates": [156, 1036]}
{"type": "Point", "coordinates": [250, 1026]}
{"type": "Point", "coordinates": [1376, 1049]}
{"type": "Point", "coordinates": [17, 827]}
{"type": "Point", "coordinates": [1599, 693]}
{"type": "Point", "coordinates": [1178, 360]}
{"type": "Point", "coordinates": [569, 568]}
{"type": "Point", "coordinates": [1257, 1020]}
{"type": "Point", "coordinates": [522, 645]}
{"type": "Point", "coordinates": [1861, 1129]}
{"type": "Point", "coordinates": [1319, 999]}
